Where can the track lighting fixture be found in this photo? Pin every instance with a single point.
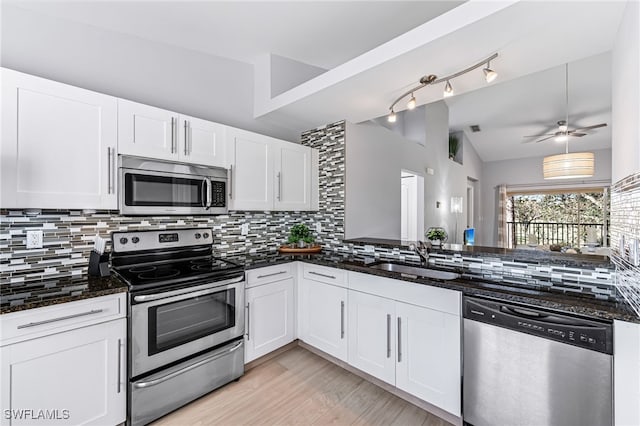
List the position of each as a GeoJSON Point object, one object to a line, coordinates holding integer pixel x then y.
{"type": "Point", "coordinates": [412, 102]}
{"type": "Point", "coordinates": [431, 79]}
{"type": "Point", "coordinates": [448, 90]}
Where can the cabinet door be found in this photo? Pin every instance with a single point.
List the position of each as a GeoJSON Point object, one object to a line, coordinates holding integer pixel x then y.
{"type": "Point", "coordinates": [428, 362]}
{"type": "Point", "coordinates": [324, 317]}
{"type": "Point", "coordinates": [292, 177]}
{"type": "Point", "coordinates": [147, 131]}
{"type": "Point", "coordinates": [58, 147]}
{"type": "Point", "coordinates": [269, 318]}
{"type": "Point", "coordinates": [251, 174]}
{"type": "Point", "coordinates": [372, 335]}
{"type": "Point", "coordinates": [78, 377]}
{"type": "Point", "coordinates": [201, 142]}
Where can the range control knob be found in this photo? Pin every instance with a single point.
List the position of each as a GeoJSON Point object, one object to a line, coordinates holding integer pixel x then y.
{"type": "Point", "coordinates": [135, 240]}
{"type": "Point", "coordinates": [124, 240]}
{"type": "Point", "coordinates": [198, 235]}
{"type": "Point", "coordinates": [205, 235]}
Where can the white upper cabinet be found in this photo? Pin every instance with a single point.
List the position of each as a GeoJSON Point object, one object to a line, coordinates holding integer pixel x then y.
{"type": "Point", "coordinates": [268, 173]}
{"type": "Point", "coordinates": [250, 171]}
{"type": "Point", "coordinates": [59, 145]}
{"type": "Point", "coordinates": [201, 142]}
{"type": "Point", "coordinates": [147, 131]}
{"type": "Point", "coordinates": [151, 132]}
{"type": "Point", "coordinates": [293, 176]}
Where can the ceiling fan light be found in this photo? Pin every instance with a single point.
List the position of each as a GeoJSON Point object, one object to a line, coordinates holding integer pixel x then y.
{"type": "Point", "coordinates": [489, 74]}
{"type": "Point", "coordinates": [391, 117]}
{"type": "Point", "coordinates": [448, 90]}
{"type": "Point", "coordinates": [412, 102]}
{"type": "Point", "coordinates": [562, 138]}
{"type": "Point", "coordinates": [569, 166]}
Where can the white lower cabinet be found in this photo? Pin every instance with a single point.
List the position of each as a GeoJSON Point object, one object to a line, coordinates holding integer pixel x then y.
{"type": "Point", "coordinates": [428, 357]}
{"type": "Point", "coordinates": [323, 317]}
{"type": "Point", "coordinates": [270, 318]}
{"type": "Point", "coordinates": [372, 335]}
{"type": "Point", "coordinates": [76, 377]}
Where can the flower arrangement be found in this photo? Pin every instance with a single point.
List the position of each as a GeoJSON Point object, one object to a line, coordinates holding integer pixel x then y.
{"type": "Point", "coordinates": [436, 235]}
{"type": "Point", "coordinates": [300, 233]}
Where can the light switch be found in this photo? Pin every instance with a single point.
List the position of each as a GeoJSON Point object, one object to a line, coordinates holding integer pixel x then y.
{"type": "Point", "coordinates": [244, 229]}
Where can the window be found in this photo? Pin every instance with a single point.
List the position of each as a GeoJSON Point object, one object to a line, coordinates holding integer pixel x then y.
{"type": "Point", "coordinates": [558, 219]}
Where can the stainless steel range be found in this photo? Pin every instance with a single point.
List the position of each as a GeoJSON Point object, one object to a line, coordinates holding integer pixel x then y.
{"type": "Point", "coordinates": [186, 318]}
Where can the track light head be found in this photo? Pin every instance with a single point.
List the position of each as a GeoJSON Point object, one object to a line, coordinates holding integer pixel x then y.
{"type": "Point", "coordinates": [412, 102]}
{"type": "Point", "coordinates": [489, 74]}
{"type": "Point", "coordinates": [448, 89]}
{"type": "Point", "coordinates": [392, 117]}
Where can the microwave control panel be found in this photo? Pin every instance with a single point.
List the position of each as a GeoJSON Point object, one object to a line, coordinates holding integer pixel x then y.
{"type": "Point", "coordinates": [218, 194]}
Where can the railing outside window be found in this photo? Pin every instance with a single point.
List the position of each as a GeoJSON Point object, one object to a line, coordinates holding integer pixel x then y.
{"type": "Point", "coordinates": [548, 233]}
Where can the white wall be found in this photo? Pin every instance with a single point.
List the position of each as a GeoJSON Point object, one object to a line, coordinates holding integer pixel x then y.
{"type": "Point", "coordinates": [625, 96]}
{"type": "Point", "coordinates": [287, 73]}
{"type": "Point", "coordinates": [528, 171]}
{"type": "Point", "coordinates": [158, 74]}
{"type": "Point", "coordinates": [375, 157]}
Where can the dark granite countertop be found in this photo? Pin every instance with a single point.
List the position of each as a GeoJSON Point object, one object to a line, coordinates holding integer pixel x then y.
{"type": "Point", "coordinates": [585, 306]}
{"type": "Point", "coordinates": [516, 255]}
{"type": "Point", "coordinates": [35, 294]}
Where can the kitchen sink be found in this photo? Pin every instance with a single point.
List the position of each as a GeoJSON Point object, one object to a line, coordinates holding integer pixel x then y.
{"type": "Point", "coordinates": [416, 270]}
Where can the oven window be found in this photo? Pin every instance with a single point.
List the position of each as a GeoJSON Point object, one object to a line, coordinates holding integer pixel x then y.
{"type": "Point", "coordinates": [177, 323]}
{"type": "Point", "coordinates": [151, 190]}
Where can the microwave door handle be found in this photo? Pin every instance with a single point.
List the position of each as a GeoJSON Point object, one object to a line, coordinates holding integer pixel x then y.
{"type": "Point", "coordinates": [209, 196]}
{"type": "Point", "coordinates": [203, 192]}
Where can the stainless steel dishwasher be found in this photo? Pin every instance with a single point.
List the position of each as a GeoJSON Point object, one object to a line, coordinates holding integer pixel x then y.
{"type": "Point", "coordinates": [527, 366]}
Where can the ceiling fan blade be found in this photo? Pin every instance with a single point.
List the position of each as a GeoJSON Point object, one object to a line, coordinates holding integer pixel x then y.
{"type": "Point", "coordinates": [579, 135]}
{"type": "Point", "coordinates": [547, 138]}
{"type": "Point", "coordinates": [595, 126]}
{"type": "Point", "coordinates": [539, 136]}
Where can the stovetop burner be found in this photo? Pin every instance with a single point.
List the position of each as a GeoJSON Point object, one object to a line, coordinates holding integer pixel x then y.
{"type": "Point", "coordinates": [159, 274]}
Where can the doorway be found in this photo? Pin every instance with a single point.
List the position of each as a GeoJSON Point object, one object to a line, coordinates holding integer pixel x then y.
{"type": "Point", "coordinates": [412, 206]}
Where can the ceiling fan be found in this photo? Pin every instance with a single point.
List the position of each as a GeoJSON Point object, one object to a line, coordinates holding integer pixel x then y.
{"type": "Point", "coordinates": [563, 133]}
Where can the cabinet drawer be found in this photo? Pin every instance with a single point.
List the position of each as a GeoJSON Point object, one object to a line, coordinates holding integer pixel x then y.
{"type": "Point", "coordinates": [256, 277]}
{"type": "Point", "coordinates": [440, 299]}
{"type": "Point", "coordinates": [32, 323]}
{"type": "Point", "coordinates": [325, 275]}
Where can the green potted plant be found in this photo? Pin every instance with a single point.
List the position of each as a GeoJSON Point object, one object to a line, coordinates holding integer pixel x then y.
{"type": "Point", "coordinates": [454, 142]}
{"type": "Point", "coordinates": [436, 235]}
{"type": "Point", "coordinates": [300, 235]}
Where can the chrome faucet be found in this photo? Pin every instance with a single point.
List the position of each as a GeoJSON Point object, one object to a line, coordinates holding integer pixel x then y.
{"type": "Point", "coordinates": [422, 250]}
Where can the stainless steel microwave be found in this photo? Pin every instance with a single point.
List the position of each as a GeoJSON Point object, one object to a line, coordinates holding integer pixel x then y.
{"type": "Point", "coordinates": [152, 187]}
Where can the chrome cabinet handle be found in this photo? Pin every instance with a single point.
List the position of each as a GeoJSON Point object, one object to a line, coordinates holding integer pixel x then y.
{"type": "Point", "coordinates": [388, 336]}
{"type": "Point", "coordinates": [186, 138]}
{"type": "Point", "coordinates": [173, 132]}
{"type": "Point", "coordinates": [248, 320]}
{"type": "Point", "coordinates": [189, 368]}
{"type": "Point", "coordinates": [208, 193]}
{"type": "Point", "coordinates": [190, 139]}
{"type": "Point", "coordinates": [109, 171]}
{"type": "Point", "coordinates": [271, 275]}
{"type": "Point", "coordinates": [82, 314]}
{"type": "Point", "coordinates": [279, 186]}
{"type": "Point", "coordinates": [113, 170]}
{"type": "Point", "coordinates": [119, 362]}
{"type": "Point", "coordinates": [322, 275]}
{"type": "Point", "coordinates": [342, 319]}
{"type": "Point", "coordinates": [230, 180]}
{"type": "Point", "coordinates": [399, 339]}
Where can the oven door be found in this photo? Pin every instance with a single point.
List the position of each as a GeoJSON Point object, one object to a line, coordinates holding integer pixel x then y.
{"type": "Point", "coordinates": [159, 192]}
{"type": "Point", "coordinates": [172, 325]}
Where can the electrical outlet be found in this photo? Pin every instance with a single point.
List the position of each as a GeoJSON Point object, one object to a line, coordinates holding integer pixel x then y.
{"type": "Point", "coordinates": [34, 239]}
{"type": "Point", "coordinates": [318, 227]}
{"type": "Point", "coordinates": [244, 229]}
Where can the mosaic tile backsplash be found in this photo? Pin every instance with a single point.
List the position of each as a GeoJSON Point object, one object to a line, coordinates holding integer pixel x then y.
{"type": "Point", "coordinates": [625, 237]}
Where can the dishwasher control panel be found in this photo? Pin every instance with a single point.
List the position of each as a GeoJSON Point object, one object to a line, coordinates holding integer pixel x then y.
{"type": "Point", "coordinates": [585, 333]}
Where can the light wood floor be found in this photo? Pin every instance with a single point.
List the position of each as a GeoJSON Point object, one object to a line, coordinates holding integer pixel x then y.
{"type": "Point", "coordinates": [299, 388]}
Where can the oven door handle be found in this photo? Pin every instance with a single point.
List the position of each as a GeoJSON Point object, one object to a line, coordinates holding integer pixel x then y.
{"type": "Point", "coordinates": [156, 296]}
{"type": "Point", "coordinates": [215, 356]}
